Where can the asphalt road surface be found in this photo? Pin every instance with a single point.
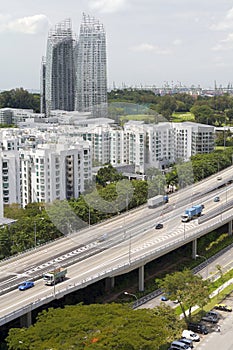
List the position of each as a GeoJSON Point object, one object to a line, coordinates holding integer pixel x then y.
{"type": "Point", "coordinates": [222, 340]}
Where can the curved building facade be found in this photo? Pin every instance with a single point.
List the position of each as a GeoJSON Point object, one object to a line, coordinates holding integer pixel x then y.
{"type": "Point", "coordinates": [91, 68]}
{"type": "Point", "coordinates": [59, 71]}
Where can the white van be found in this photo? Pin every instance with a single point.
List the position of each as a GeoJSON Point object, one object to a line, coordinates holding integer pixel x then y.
{"type": "Point", "coordinates": [190, 335]}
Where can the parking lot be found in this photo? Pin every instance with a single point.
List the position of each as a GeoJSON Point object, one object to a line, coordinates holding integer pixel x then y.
{"type": "Point", "coordinates": [222, 340]}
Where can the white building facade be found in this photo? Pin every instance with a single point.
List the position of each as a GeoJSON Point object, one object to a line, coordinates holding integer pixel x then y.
{"type": "Point", "coordinates": [37, 170]}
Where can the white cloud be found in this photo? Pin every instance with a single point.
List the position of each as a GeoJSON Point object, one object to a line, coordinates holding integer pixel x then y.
{"type": "Point", "coordinates": [27, 25]}
{"type": "Point", "coordinates": [177, 42]}
{"type": "Point", "coordinates": [108, 6]}
{"type": "Point", "coordinates": [226, 23]}
{"type": "Point", "coordinates": [145, 47]}
{"type": "Point", "coordinates": [225, 44]}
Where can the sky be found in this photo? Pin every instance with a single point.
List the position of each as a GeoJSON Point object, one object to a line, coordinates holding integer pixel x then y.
{"type": "Point", "coordinates": [149, 42]}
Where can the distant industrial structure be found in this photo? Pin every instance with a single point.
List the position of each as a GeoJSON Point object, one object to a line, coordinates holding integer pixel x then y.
{"type": "Point", "coordinates": [178, 88]}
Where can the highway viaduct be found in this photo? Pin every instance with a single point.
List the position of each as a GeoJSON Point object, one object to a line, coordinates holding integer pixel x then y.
{"type": "Point", "coordinates": [120, 254]}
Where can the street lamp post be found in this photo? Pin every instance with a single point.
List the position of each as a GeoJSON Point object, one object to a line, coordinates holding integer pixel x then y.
{"type": "Point", "coordinates": [89, 215]}
{"type": "Point", "coordinates": [206, 259]}
{"type": "Point", "coordinates": [133, 295]}
{"type": "Point", "coordinates": [129, 248]}
{"type": "Point", "coordinates": [35, 233]}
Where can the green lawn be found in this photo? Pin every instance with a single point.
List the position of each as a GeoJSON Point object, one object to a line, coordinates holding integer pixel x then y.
{"type": "Point", "coordinates": [183, 117]}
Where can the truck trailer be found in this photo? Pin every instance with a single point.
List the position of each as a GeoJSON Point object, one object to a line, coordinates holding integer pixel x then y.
{"type": "Point", "coordinates": [192, 213]}
{"type": "Point", "coordinates": [157, 200]}
{"type": "Point", "coordinates": [54, 276]}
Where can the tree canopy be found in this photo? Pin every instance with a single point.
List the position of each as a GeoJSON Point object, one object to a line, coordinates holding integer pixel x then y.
{"type": "Point", "coordinates": [107, 326]}
{"type": "Point", "coordinates": [20, 98]}
{"type": "Point", "coordinates": [188, 289]}
{"type": "Point", "coordinates": [214, 110]}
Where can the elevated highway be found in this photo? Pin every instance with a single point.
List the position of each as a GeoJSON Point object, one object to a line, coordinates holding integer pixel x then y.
{"type": "Point", "coordinates": [131, 241]}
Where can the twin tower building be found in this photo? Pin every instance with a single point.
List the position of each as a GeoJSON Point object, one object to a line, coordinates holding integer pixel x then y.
{"type": "Point", "coordinates": [74, 71]}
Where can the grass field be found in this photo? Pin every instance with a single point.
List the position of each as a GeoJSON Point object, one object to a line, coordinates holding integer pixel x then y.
{"type": "Point", "coordinates": [183, 117]}
{"type": "Point", "coordinates": [176, 117]}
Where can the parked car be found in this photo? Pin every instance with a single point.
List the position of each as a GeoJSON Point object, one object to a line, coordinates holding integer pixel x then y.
{"type": "Point", "coordinates": [159, 226]}
{"type": "Point", "coordinates": [176, 344]}
{"type": "Point", "coordinates": [26, 285]}
{"type": "Point", "coordinates": [190, 335]}
{"type": "Point", "coordinates": [198, 327]}
{"type": "Point", "coordinates": [223, 307]}
{"type": "Point", "coordinates": [186, 341]}
{"type": "Point", "coordinates": [211, 316]}
{"type": "Point", "coordinates": [216, 199]}
{"type": "Point", "coordinates": [164, 298]}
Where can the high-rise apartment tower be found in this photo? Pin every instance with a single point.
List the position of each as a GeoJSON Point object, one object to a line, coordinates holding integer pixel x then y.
{"type": "Point", "coordinates": [91, 68]}
{"type": "Point", "coordinates": [58, 69]}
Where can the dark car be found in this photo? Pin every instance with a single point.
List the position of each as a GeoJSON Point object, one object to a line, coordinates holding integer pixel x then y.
{"type": "Point", "coordinates": [158, 226]}
{"type": "Point", "coordinates": [26, 285]}
{"type": "Point", "coordinates": [216, 199]}
{"type": "Point", "coordinates": [198, 328]}
{"type": "Point", "coordinates": [223, 307]}
{"type": "Point", "coordinates": [211, 316]}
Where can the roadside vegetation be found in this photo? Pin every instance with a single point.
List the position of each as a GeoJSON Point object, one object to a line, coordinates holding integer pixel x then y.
{"type": "Point", "coordinates": [109, 326]}
{"type": "Point", "coordinates": [118, 196]}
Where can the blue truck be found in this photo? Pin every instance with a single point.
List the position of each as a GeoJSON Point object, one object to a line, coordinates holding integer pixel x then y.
{"type": "Point", "coordinates": [192, 213]}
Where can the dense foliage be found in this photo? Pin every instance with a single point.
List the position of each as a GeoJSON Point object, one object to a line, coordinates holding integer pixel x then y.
{"type": "Point", "coordinates": [20, 98]}
{"type": "Point", "coordinates": [188, 289]}
{"type": "Point", "coordinates": [216, 110]}
{"type": "Point", "coordinates": [108, 326]}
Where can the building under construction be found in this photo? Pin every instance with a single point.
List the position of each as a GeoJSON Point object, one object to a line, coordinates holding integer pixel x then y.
{"type": "Point", "coordinates": [74, 74]}
{"type": "Point", "coordinates": [58, 69]}
{"type": "Point", "coordinates": [91, 67]}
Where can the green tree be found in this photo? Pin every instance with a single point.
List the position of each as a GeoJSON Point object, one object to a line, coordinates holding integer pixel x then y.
{"type": "Point", "coordinates": [203, 114]}
{"type": "Point", "coordinates": [188, 289]}
{"type": "Point", "coordinates": [108, 174]}
{"type": "Point", "coordinates": [104, 327]}
{"type": "Point", "coordinates": [166, 106]}
{"type": "Point", "coordinates": [20, 98]}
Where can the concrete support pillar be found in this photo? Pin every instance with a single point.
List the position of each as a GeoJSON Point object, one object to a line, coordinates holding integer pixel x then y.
{"type": "Point", "coordinates": [230, 228]}
{"type": "Point", "coordinates": [194, 248]}
{"type": "Point", "coordinates": [141, 278]}
{"type": "Point", "coordinates": [26, 320]}
{"type": "Point", "coordinates": [109, 283]}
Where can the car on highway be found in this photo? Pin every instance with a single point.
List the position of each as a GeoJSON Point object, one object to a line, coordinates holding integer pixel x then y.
{"type": "Point", "coordinates": [219, 178]}
{"type": "Point", "coordinates": [26, 285]}
{"type": "Point", "coordinates": [158, 226]}
{"type": "Point", "coordinates": [216, 199]}
{"type": "Point", "coordinates": [223, 307]}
